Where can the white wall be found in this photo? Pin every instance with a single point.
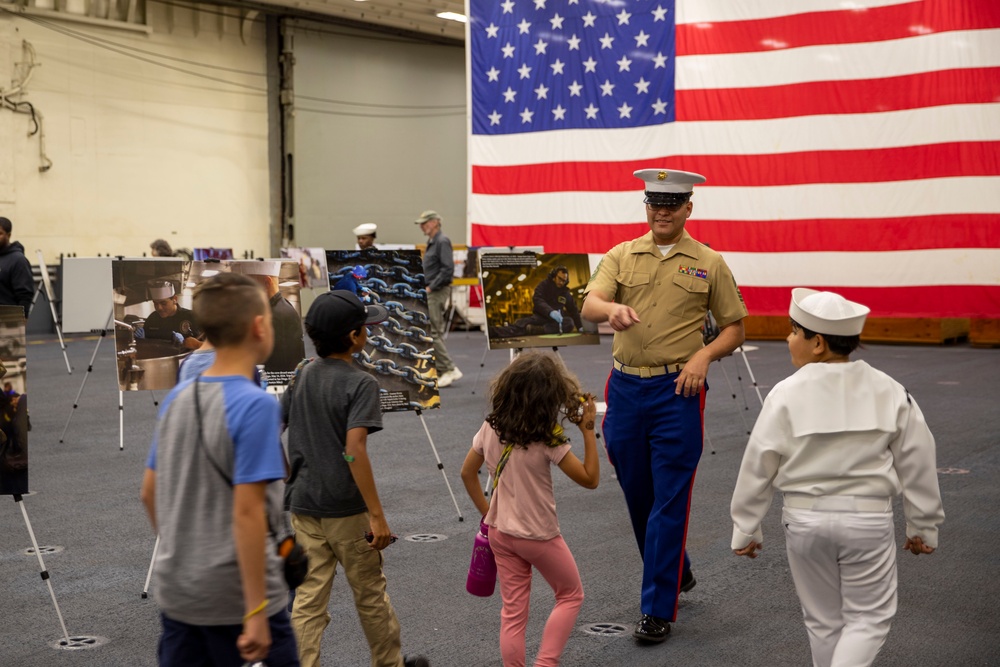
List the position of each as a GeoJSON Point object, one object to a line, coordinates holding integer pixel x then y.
{"type": "Point", "coordinates": [380, 135]}
{"type": "Point", "coordinates": [139, 151]}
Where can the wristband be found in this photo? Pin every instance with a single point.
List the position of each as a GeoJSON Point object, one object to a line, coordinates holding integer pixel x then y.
{"type": "Point", "coordinates": [256, 610]}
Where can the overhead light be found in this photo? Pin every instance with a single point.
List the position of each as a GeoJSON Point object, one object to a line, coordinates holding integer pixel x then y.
{"type": "Point", "coordinates": [452, 16]}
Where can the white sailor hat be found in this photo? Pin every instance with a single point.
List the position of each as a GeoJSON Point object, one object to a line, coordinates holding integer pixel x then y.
{"type": "Point", "coordinates": [668, 186]}
{"type": "Point", "coordinates": [827, 313]}
{"type": "Point", "coordinates": [367, 229]}
{"type": "Point", "coordinates": [257, 268]}
{"type": "Point", "coordinates": [161, 289]}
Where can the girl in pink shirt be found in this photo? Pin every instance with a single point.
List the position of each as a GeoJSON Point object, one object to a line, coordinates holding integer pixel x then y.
{"type": "Point", "coordinates": [519, 442]}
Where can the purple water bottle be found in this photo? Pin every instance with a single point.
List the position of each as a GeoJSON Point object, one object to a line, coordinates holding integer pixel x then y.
{"type": "Point", "coordinates": [482, 579]}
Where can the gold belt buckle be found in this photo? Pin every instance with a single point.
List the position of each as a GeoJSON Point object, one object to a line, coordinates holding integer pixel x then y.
{"type": "Point", "coordinates": [644, 372]}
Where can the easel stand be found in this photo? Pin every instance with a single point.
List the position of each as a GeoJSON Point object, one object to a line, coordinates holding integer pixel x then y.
{"type": "Point", "coordinates": [45, 573]}
{"type": "Point", "coordinates": [439, 464]}
{"type": "Point", "coordinates": [55, 321]}
{"type": "Point", "coordinates": [90, 368]}
{"type": "Point", "coordinates": [121, 394]}
{"type": "Point", "coordinates": [149, 574]}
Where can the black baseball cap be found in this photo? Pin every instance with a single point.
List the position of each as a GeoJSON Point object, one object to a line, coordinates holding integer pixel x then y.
{"type": "Point", "coordinates": [339, 312]}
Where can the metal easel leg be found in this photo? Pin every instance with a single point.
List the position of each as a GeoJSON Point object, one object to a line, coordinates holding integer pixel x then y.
{"type": "Point", "coordinates": [90, 368]}
{"type": "Point", "coordinates": [41, 564]}
{"type": "Point", "coordinates": [753, 380]}
{"type": "Point", "coordinates": [439, 464]}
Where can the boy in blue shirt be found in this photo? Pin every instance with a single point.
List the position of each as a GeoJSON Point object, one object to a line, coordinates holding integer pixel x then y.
{"type": "Point", "coordinates": [209, 489]}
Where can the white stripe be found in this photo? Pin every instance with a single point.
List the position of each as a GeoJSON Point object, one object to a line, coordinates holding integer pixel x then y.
{"type": "Point", "coordinates": [841, 62]}
{"type": "Point", "coordinates": [912, 127]}
{"type": "Point", "coordinates": [708, 11]}
{"type": "Point", "coordinates": [937, 196]}
{"type": "Point", "coordinates": [962, 266]}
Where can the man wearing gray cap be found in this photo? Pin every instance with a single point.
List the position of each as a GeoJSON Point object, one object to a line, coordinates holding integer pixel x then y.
{"type": "Point", "coordinates": [655, 292]}
{"type": "Point", "coordinates": [439, 267]}
{"type": "Point", "coordinates": [366, 235]}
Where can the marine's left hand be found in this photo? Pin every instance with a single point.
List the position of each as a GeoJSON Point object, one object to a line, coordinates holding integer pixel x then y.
{"type": "Point", "coordinates": [916, 546]}
{"type": "Point", "coordinates": [692, 377]}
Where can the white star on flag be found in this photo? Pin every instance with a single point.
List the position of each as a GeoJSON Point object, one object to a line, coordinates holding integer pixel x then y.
{"type": "Point", "coordinates": [556, 22]}
{"type": "Point", "coordinates": [493, 73]}
{"type": "Point", "coordinates": [623, 64]}
{"type": "Point", "coordinates": [574, 89]}
{"type": "Point", "coordinates": [492, 30]}
{"type": "Point", "coordinates": [660, 60]}
{"type": "Point", "coordinates": [508, 50]}
{"type": "Point", "coordinates": [588, 19]}
{"type": "Point", "coordinates": [540, 47]}
{"type": "Point", "coordinates": [508, 7]}
{"type": "Point", "coordinates": [495, 117]}
{"type": "Point", "coordinates": [590, 65]}
{"type": "Point", "coordinates": [606, 88]}
{"type": "Point", "coordinates": [509, 94]}
{"type": "Point", "coordinates": [559, 113]}
{"type": "Point", "coordinates": [659, 106]}
{"type": "Point", "coordinates": [591, 111]}
{"type": "Point", "coordinates": [625, 111]}
{"type": "Point", "coordinates": [642, 39]}
{"type": "Point", "coordinates": [624, 17]}
{"type": "Point", "coordinates": [526, 115]}
{"type": "Point", "coordinates": [641, 86]}
{"type": "Point", "coordinates": [523, 27]}
{"type": "Point", "coordinates": [541, 92]}
{"type": "Point", "coordinates": [574, 43]}
{"type": "Point", "coordinates": [607, 41]}
{"type": "Point", "coordinates": [524, 70]}
{"type": "Point", "coordinates": [659, 14]}
{"type": "Point", "coordinates": [557, 66]}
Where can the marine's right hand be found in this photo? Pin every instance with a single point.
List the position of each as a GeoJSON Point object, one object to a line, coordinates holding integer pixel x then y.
{"type": "Point", "coordinates": [621, 317]}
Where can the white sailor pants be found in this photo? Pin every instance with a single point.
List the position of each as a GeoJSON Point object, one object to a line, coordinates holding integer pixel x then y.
{"type": "Point", "coordinates": [843, 563]}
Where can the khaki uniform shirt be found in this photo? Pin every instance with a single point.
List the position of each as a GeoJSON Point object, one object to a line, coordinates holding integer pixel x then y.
{"type": "Point", "coordinates": [670, 294]}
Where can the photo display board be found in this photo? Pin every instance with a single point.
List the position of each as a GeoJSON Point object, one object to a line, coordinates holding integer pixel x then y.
{"type": "Point", "coordinates": [312, 266]}
{"type": "Point", "coordinates": [534, 300]}
{"type": "Point", "coordinates": [400, 352]}
{"type": "Point", "coordinates": [155, 330]}
{"type": "Point", "coordinates": [13, 403]}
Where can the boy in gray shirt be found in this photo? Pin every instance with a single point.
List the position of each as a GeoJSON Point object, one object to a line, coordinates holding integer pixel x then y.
{"type": "Point", "coordinates": [330, 408]}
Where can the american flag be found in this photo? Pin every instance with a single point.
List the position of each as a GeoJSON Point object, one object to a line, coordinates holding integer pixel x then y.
{"type": "Point", "coordinates": [851, 145]}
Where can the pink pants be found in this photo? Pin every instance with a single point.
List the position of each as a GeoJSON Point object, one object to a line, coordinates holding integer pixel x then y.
{"type": "Point", "coordinates": [515, 557]}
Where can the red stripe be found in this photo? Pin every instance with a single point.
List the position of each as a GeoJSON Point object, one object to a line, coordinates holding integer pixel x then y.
{"type": "Point", "coordinates": [863, 235]}
{"type": "Point", "coordinates": [558, 237]}
{"type": "Point", "coordinates": [912, 91]}
{"type": "Point", "coordinates": [828, 235]}
{"type": "Point", "coordinates": [979, 158]}
{"type": "Point", "coordinates": [837, 27]}
{"type": "Point", "coordinates": [972, 301]}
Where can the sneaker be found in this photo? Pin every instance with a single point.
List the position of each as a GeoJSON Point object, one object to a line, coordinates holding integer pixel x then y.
{"type": "Point", "coordinates": [416, 661]}
{"type": "Point", "coordinates": [448, 377]}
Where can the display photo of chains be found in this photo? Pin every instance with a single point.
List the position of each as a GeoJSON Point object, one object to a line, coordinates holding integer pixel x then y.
{"type": "Point", "coordinates": [399, 353]}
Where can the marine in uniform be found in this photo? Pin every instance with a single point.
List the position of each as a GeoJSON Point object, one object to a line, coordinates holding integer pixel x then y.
{"type": "Point", "coordinates": [169, 321]}
{"type": "Point", "coordinates": [366, 235]}
{"type": "Point", "coordinates": [839, 439]}
{"type": "Point", "coordinates": [655, 291]}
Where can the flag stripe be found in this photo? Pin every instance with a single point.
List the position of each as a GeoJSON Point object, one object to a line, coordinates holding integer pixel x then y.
{"type": "Point", "coordinates": [924, 301]}
{"type": "Point", "coordinates": [954, 86]}
{"type": "Point", "coordinates": [909, 127]}
{"type": "Point", "coordinates": [865, 234]}
{"type": "Point", "coordinates": [901, 57]}
{"type": "Point", "coordinates": [833, 27]}
{"type": "Point", "coordinates": [717, 11]}
{"type": "Point", "coordinates": [940, 196]}
{"type": "Point", "coordinates": [952, 266]}
{"type": "Point", "coordinates": [843, 235]}
{"type": "Point", "coordinates": [891, 164]}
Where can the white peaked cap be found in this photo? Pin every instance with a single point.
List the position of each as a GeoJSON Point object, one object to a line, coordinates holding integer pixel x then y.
{"type": "Point", "coordinates": [827, 313]}
{"type": "Point", "coordinates": [257, 268]}
{"type": "Point", "coordinates": [367, 229]}
{"type": "Point", "coordinates": [161, 289]}
{"type": "Point", "coordinates": [669, 180]}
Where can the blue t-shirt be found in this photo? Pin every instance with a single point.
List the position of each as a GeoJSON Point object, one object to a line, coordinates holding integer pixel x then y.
{"type": "Point", "coordinates": [197, 575]}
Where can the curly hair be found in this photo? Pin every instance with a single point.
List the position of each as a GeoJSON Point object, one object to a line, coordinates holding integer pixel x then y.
{"type": "Point", "coordinates": [528, 397]}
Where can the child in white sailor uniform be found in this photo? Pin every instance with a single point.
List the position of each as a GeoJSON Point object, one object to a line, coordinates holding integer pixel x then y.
{"type": "Point", "coordinates": [839, 439]}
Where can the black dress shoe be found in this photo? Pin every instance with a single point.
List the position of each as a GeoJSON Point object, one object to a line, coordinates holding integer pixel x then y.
{"type": "Point", "coordinates": [651, 629]}
{"type": "Point", "coordinates": [687, 581]}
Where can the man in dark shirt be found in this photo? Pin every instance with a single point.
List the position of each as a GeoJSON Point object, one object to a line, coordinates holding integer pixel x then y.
{"type": "Point", "coordinates": [439, 267]}
{"type": "Point", "coordinates": [289, 347]}
{"type": "Point", "coordinates": [169, 321]}
{"type": "Point", "coordinates": [17, 287]}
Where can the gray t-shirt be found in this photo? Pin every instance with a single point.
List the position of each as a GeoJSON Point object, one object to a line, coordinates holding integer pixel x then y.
{"type": "Point", "coordinates": [329, 398]}
{"type": "Point", "coordinates": [197, 577]}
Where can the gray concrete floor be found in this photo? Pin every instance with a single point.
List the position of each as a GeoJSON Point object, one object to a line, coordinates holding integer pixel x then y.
{"type": "Point", "coordinates": [85, 500]}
